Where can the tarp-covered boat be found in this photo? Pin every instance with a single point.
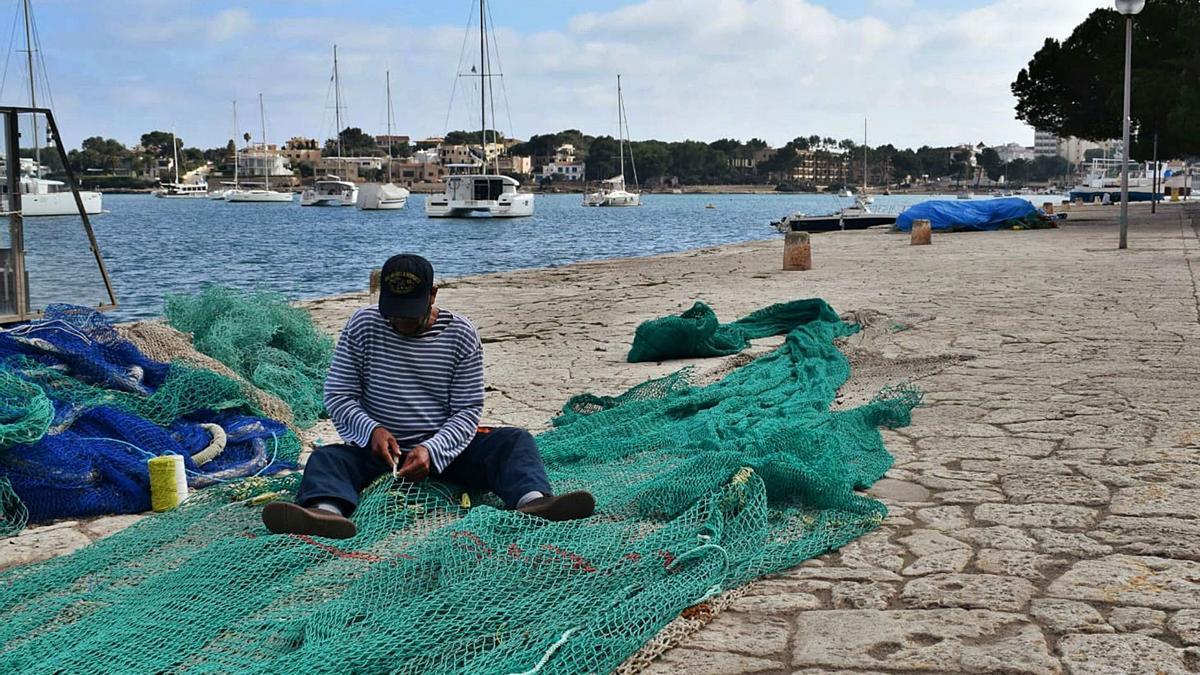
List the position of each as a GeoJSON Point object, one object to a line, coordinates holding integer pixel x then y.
{"type": "Point", "coordinates": [984, 214]}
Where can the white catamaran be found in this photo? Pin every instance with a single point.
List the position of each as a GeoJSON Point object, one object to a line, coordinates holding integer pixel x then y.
{"type": "Point", "coordinates": [612, 191]}
{"type": "Point", "coordinates": [469, 192]}
{"type": "Point", "coordinates": [266, 194]}
{"type": "Point", "coordinates": [332, 190]}
{"type": "Point", "coordinates": [389, 196]}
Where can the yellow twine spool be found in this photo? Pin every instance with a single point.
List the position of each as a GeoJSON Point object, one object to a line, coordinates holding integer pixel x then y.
{"type": "Point", "coordinates": [168, 482]}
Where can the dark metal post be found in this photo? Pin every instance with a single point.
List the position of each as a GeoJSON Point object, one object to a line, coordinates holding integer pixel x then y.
{"type": "Point", "coordinates": [1154, 182]}
{"type": "Point", "coordinates": [87, 223]}
{"type": "Point", "coordinates": [16, 222]}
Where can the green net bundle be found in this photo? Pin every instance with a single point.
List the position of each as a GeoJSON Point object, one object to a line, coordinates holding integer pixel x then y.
{"type": "Point", "coordinates": [696, 333]}
{"type": "Point", "coordinates": [699, 489]}
{"type": "Point", "coordinates": [272, 344]}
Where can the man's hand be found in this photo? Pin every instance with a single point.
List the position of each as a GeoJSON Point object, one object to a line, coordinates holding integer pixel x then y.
{"type": "Point", "coordinates": [385, 447]}
{"type": "Point", "coordinates": [416, 464]}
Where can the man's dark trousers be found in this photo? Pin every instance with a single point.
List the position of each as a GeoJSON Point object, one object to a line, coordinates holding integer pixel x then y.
{"type": "Point", "coordinates": [504, 461]}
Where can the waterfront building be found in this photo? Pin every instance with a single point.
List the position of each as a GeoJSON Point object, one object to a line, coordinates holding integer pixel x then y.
{"type": "Point", "coordinates": [1045, 144]}
{"type": "Point", "coordinates": [396, 140]}
{"type": "Point", "coordinates": [261, 160]}
{"type": "Point", "coordinates": [564, 164]}
{"type": "Point", "coordinates": [300, 150]}
{"type": "Point", "coordinates": [409, 172]}
{"type": "Point", "coordinates": [350, 168]}
{"type": "Point", "coordinates": [1011, 152]}
{"type": "Point", "coordinates": [515, 164]}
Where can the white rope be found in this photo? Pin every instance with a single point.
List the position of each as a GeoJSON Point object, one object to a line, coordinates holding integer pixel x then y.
{"type": "Point", "coordinates": [549, 652]}
{"type": "Point", "coordinates": [214, 448]}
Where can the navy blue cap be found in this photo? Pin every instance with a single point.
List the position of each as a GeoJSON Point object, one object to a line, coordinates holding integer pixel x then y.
{"type": "Point", "coordinates": [405, 285]}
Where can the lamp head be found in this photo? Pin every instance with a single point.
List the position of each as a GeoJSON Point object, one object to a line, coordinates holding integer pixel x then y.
{"type": "Point", "coordinates": [1130, 7]}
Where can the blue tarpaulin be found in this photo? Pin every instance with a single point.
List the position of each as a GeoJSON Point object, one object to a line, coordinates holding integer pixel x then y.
{"type": "Point", "coordinates": [984, 214]}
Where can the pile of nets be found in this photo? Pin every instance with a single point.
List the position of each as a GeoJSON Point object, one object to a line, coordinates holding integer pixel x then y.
{"type": "Point", "coordinates": [699, 489]}
{"type": "Point", "coordinates": [696, 333]}
{"type": "Point", "coordinates": [270, 343]}
{"type": "Point", "coordinates": [81, 410]}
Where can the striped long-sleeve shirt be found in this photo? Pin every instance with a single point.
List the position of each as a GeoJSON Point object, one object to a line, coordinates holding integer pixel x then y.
{"type": "Point", "coordinates": [426, 390]}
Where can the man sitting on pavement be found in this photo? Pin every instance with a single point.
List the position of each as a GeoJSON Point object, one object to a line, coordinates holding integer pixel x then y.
{"type": "Point", "coordinates": [405, 392]}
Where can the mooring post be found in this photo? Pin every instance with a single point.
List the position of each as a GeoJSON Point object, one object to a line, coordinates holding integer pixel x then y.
{"type": "Point", "coordinates": [797, 251]}
{"type": "Point", "coordinates": [922, 233]}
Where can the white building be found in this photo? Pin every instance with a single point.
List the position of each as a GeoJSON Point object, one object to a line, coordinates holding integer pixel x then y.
{"type": "Point", "coordinates": [1011, 152]}
{"type": "Point", "coordinates": [1045, 144]}
{"type": "Point", "coordinates": [564, 164]}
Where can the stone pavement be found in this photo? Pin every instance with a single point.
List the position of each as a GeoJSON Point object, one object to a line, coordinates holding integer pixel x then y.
{"type": "Point", "coordinates": [1045, 503]}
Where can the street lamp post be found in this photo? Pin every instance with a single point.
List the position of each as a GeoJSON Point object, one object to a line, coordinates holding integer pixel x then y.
{"type": "Point", "coordinates": [1128, 8]}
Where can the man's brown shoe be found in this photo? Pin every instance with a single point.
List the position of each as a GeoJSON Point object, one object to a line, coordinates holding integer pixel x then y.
{"type": "Point", "coordinates": [289, 518]}
{"type": "Point", "coordinates": [571, 506]}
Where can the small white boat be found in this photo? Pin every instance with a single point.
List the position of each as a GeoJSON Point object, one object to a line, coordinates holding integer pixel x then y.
{"type": "Point", "coordinates": [264, 194]}
{"type": "Point", "coordinates": [43, 197]}
{"type": "Point", "coordinates": [176, 190]}
{"type": "Point", "coordinates": [386, 197]}
{"type": "Point", "coordinates": [855, 217]}
{"type": "Point", "coordinates": [612, 191]}
{"type": "Point", "coordinates": [389, 196]}
{"type": "Point", "coordinates": [257, 195]}
{"type": "Point", "coordinates": [845, 193]}
{"type": "Point", "coordinates": [330, 191]}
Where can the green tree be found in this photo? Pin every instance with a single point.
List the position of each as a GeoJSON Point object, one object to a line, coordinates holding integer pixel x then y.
{"type": "Point", "coordinates": [355, 143]}
{"type": "Point", "coordinates": [158, 143]}
{"type": "Point", "coordinates": [1075, 87]}
{"type": "Point", "coordinates": [989, 159]}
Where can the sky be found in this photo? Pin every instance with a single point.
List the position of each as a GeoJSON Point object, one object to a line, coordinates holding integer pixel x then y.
{"type": "Point", "coordinates": [921, 72]}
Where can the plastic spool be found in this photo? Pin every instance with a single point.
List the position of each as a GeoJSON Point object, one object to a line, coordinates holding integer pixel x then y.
{"type": "Point", "coordinates": [168, 482]}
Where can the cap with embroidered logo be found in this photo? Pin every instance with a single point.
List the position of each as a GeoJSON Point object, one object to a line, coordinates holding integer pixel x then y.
{"type": "Point", "coordinates": [405, 285]}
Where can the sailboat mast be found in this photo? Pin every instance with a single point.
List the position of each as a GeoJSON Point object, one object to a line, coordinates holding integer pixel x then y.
{"type": "Point", "coordinates": [175, 147]}
{"type": "Point", "coordinates": [262, 143]}
{"type": "Point", "coordinates": [236, 160]}
{"type": "Point", "coordinates": [864, 156]}
{"type": "Point", "coordinates": [37, 151]}
{"type": "Point", "coordinates": [621, 130]}
{"type": "Point", "coordinates": [388, 79]}
{"type": "Point", "coordinates": [482, 85]}
{"type": "Point", "coordinates": [337, 103]}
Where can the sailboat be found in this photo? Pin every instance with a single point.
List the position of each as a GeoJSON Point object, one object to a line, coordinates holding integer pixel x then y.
{"type": "Point", "coordinates": [612, 191]}
{"type": "Point", "coordinates": [331, 190]}
{"type": "Point", "coordinates": [389, 196]}
{"type": "Point", "coordinates": [41, 196]}
{"type": "Point", "coordinates": [468, 192]}
{"type": "Point", "coordinates": [222, 194]}
{"type": "Point", "coordinates": [176, 189]}
{"type": "Point", "coordinates": [266, 194]}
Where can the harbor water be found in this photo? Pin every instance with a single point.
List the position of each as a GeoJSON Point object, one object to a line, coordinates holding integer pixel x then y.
{"type": "Point", "coordinates": [158, 247]}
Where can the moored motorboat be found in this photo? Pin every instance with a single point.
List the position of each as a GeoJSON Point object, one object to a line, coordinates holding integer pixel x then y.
{"type": "Point", "coordinates": [855, 217]}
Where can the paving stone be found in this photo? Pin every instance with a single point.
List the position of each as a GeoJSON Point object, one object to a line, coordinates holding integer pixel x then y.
{"type": "Point", "coordinates": [842, 574]}
{"type": "Point", "coordinates": [1141, 581]}
{"type": "Point", "coordinates": [1036, 515]}
{"type": "Point", "coordinates": [873, 550]}
{"type": "Point", "coordinates": [939, 563]}
{"type": "Point", "coordinates": [1068, 616]}
{"type": "Point", "coordinates": [41, 543]}
{"type": "Point", "coordinates": [777, 603]}
{"type": "Point", "coordinates": [1069, 543]}
{"type": "Point", "coordinates": [982, 448]}
{"type": "Point", "coordinates": [1185, 624]}
{"type": "Point", "coordinates": [928, 542]}
{"type": "Point", "coordinates": [851, 595]}
{"type": "Point", "coordinates": [761, 636]}
{"type": "Point", "coordinates": [1156, 500]}
{"type": "Point", "coordinates": [998, 536]}
{"type": "Point", "coordinates": [1167, 537]}
{"type": "Point", "coordinates": [940, 640]}
{"type": "Point", "coordinates": [1137, 620]}
{"type": "Point", "coordinates": [943, 517]}
{"type": "Point", "coordinates": [982, 591]}
{"type": "Point", "coordinates": [1119, 654]}
{"type": "Point", "coordinates": [898, 490]}
{"type": "Point", "coordinates": [1022, 466]}
{"type": "Point", "coordinates": [1024, 564]}
{"type": "Point", "coordinates": [700, 662]}
{"type": "Point", "coordinates": [1054, 489]}
{"type": "Point", "coordinates": [976, 496]}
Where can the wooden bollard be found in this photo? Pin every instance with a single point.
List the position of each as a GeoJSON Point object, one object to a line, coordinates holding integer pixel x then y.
{"type": "Point", "coordinates": [922, 233]}
{"type": "Point", "coordinates": [1048, 207]}
{"type": "Point", "coordinates": [373, 288]}
{"type": "Point", "coordinates": [797, 252]}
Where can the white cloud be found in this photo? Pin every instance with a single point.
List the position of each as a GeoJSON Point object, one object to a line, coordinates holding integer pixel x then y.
{"type": "Point", "coordinates": [704, 69]}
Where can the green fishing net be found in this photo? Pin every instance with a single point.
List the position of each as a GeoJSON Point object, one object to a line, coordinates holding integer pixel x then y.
{"type": "Point", "coordinates": [699, 489]}
{"type": "Point", "coordinates": [272, 344]}
{"type": "Point", "coordinates": [697, 333]}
